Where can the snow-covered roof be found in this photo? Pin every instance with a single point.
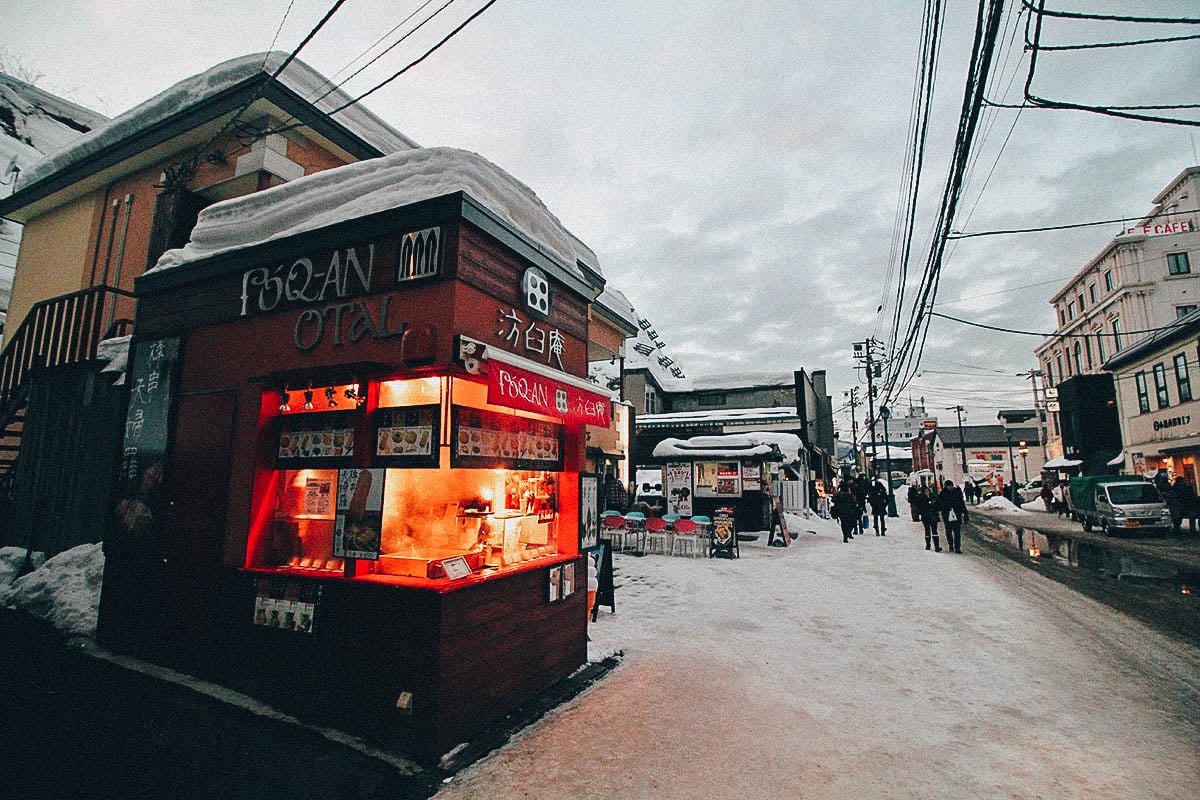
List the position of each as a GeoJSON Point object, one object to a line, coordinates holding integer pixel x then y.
{"type": "Point", "coordinates": [735, 445]}
{"type": "Point", "coordinates": [34, 122]}
{"type": "Point", "coordinates": [357, 190]}
{"type": "Point", "coordinates": [731, 416]}
{"type": "Point", "coordinates": [616, 305]}
{"type": "Point", "coordinates": [743, 380]}
{"type": "Point", "coordinates": [191, 92]}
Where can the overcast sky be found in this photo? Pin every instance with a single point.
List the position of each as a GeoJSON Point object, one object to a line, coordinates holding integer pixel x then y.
{"type": "Point", "coordinates": [736, 166]}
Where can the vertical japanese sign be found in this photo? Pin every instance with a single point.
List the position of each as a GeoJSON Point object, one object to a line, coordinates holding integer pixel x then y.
{"type": "Point", "coordinates": [151, 380]}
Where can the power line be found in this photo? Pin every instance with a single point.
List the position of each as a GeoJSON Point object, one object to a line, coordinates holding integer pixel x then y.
{"type": "Point", "coordinates": [1067, 226]}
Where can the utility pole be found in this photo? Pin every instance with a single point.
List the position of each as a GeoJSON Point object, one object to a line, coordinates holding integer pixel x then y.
{"type": "Point", "coordinates": [962, 445]}
{"type": "Point", "coordinates": [1038, 407]}
{"type": "Point", "coordinates": [866, 351]}
{"type": "Point", "coordinates": [854, 403]}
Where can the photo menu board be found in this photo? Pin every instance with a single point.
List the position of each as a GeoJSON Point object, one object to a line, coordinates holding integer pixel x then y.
{"type": "Point", "coordinates": [316, 440]}
{"type": "Point", "coordinates": [407, 437]}
{"type": "Point", "coordinates": [486, 439]}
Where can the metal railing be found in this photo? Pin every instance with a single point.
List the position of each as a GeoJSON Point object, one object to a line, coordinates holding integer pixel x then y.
{"type": "Point", "coordinates": [58, 331]}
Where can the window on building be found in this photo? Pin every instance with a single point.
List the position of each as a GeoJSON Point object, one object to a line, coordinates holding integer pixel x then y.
{"type": "Point", "coordinates": [1183, 311]}
{"type": "Point", "coordinates": [711, 399]}
{"type": "Point", "coordinates": [1071, 310]}
{"type": "Point", "coordinates": [1109, 285]}
{"type": "Point", "coordinates": [1062, 318]}
{"type": "Point", "coordinates": [1100, 345]}
{"type": "Point", "coordinates": [1116, 329]}
{"type": "Point", "coordinates": [1182, 381]}
{"type": "Point", "coordinates": [1160, 386]}
{"type": "Point", "coordinates": [1078, 357]}
{"type": "Point", "coordinates": [1081, 302]}
{"type": "Point", "coordinates": [1061, 374]}
{"type": "Point", "coordinates": [1177, 264]}
{"type": "Point", "coordinates": [1143, 395]}
{"type": "Point", "coordinates": [651, 401]}
{"type": "Point", "coordinates": [1049, 375]}
{"type": "Point", "coordinates": [1087, 351]}
{"type": "Point", "coordinates": [1092, 292]}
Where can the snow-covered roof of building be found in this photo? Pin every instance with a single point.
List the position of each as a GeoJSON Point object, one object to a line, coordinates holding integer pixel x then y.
{"type": "Point", "coordinates": [735, 445]}
{"type": "Point", "coordinates": [743, 380]}
{"type": "Point", "coordinates": [358, 190]}
{"type": "Point", "coordinates": [298, 77]}
{"type": "Point", "coordinates": [34, 122]}
{"type": "Point", "coordinates": [616, 305]}
{"type": "Point", "coordinates": [723, 416]}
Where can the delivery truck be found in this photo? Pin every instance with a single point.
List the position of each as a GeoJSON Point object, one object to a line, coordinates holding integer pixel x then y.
{"type": "Point", "coordinates": [1118, 504]}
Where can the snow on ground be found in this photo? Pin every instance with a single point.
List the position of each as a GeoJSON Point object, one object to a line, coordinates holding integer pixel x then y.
{"type": "Point", "coordinates": [64, 590]}
{"type": "Point", "coordinates": [873, 669]}
{"type": "Point", "coordinates": [1001, 504]}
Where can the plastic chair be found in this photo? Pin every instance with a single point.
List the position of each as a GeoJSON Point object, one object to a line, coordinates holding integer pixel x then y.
{"type": "Point", "coordinates": [657, 534]}
{"type": "Point", "coordinates": [670, 520]}
{"type": "Point", "coordinates": [614, 526]}
{"type": "Point", "coordinates": [703, 529]}
{"type": "Point", "coordinates": [610, 513]}
{"type": "Point", "coordinates": [687, 537]}
{"type": "Point", "coordinates": [635, 524]}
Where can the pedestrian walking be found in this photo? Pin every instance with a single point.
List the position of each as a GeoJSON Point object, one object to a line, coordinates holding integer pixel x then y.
{"type": "Point", "coordinates": [1047, 495]}
{"type": "Point", "coordinates": [954, 513]}
{"type": "Point", "coordinates": [1186, 497]}
{"type": "Point", "coordinates": [846, 511]}
{"type": "Point", "coordinates": [927, 508]}
{"type": "Point", "coordinates": [877, 497]}
{"type": "Point", "coordinates": [858, 487]}
{"type": "Point", "coordinates": [914, 497]}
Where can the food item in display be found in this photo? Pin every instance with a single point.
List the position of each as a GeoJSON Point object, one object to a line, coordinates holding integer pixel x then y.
{"type": "Point", "coordinates": [358, 501]}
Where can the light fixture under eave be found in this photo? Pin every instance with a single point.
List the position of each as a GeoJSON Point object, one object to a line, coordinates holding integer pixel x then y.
{"type": "Point", "coordinates": [330, 394]}
{"type": "Point", "coordinates": [308, 397]}
{"type": "Point", "coordinates": [285, 400]}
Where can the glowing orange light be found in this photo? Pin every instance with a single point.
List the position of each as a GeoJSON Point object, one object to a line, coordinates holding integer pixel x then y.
{"type": "Point", "coordinates": [1034, 552]}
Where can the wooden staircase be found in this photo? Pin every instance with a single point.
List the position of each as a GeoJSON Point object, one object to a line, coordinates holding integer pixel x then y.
{"type": "Point", "coordinates": [60, 331]}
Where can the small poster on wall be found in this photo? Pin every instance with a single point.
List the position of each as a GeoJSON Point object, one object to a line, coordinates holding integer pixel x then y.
{"type": "Point", "coordinates": [318, 498]}
{"type": "Point", "coordinates": [358, 526]}
{"type": "Point", "coordinates": [589, 512]}
{"type": "Point", "coordinates": [679, 489]}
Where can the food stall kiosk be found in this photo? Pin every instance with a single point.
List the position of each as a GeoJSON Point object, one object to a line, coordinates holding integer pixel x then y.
{"type": "Point", "coordinates": [350, 483]}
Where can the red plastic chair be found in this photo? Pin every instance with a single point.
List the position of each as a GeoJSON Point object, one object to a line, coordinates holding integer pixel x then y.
{"type": "Point", "coordinates": [657, 534]}
{"type": "Point", "coordinates": [614, 526]}
{"type": "Point", "coordinates": [687, 537]}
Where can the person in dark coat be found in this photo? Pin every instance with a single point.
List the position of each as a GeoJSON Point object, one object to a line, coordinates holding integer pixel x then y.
{"type": "Point", "coordinates": [1169, 496]}
{"type": "Point", "coordinates": [858, 487]}
{"type": "Point", "coordinates": [1188, 507]}
{"type": "Point", "coordinates": [845, 510]}
{"type": "Point", "coordinates": [877, 497]}
{"type": "Point", "coordinates": [914, 496]}
{"type": "Point", "coordinates": [616, 498]}
{"type": "Point", "coordinates": [927, 509]}
{"type": "Point", "coordinates": [953, 508]}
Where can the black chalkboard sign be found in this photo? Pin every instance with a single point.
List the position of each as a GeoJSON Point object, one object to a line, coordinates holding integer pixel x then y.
{"type": "Point", "coordinates": [605, 591]}
{"type": "Point", "coordinates": [151, 379]}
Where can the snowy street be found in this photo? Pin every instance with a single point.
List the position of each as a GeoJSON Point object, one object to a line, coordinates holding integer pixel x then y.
{"type": "Point", "coordinates": [861, 670]}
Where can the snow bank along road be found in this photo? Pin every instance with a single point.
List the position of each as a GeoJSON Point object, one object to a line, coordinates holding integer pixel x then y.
{"type": "Point", "coordinates": [862, 670]}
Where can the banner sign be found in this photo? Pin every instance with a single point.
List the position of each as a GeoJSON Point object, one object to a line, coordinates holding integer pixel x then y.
{"type": "Point", "coordinates": [528, 391]}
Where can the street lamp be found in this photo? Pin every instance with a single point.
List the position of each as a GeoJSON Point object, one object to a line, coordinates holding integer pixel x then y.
{"type": "Point", "coordinates": [1012, 471]}
{"type": "Point", "coordinates": [885, 414]}
{"type": "Point", "coordinates": [1023, 449]}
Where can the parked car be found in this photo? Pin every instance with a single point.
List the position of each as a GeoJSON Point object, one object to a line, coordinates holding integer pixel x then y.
{"type": "Point", "coordinates": [1118, 503]}
{"type": "Point", "coordinates": [1031, 491]}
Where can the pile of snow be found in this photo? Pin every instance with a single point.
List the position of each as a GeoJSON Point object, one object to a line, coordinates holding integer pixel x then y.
{"type": "Point", "coordinates": [1001, 504]}
{"type": "Point", "coordinates": [12, 559]}
{"type": "Point", "coordinates": [64, 591]}
{"type": "Point", "coordinates": [358, 190]}
{"type": "Point", "coordinates": [115, 351]}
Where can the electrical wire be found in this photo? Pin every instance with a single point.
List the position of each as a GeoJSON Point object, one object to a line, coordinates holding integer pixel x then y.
{"type": "Point", "coordinates": [1068, 226]}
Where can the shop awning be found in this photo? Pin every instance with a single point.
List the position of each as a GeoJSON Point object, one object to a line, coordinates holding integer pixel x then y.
{"type": "Point", "coordinates": [523, 384]}
{"type": "Point", "coordinates": [1180, 446]}
{"type": "Point", "coordinates": [1061, 463]}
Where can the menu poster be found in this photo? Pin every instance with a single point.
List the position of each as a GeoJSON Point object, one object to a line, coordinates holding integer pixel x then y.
{"type": "Point", "coordinates": [554, 584]}
{"type": "Point", "coordinates": [358, 526]}
{"type": "Point", "coordinates": [407, 437]}
{"type": "Point", "coordinates": [285, 605]}
{"type": "Point", "coordinates": [485, 439]}
{"type": "Point", "coordinates": [589, 511]}
{"type": "Point", "coordinates": [752, 478]}
{"type": "Point", "coordinates": [318, 498]}
{"type": "Point", "coordinates": [141, 507]}
{"type": "Point", "coordinates": [325, 439]}
{"type": "Point", "coordinates": [679, 489]}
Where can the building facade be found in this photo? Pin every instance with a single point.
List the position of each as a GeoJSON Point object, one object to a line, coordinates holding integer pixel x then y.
{"type": "Point", "coordinates": [1145, 278]}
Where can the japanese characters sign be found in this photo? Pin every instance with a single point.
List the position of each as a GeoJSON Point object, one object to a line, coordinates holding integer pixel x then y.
{"type": "Point", "coordinates": [147, 431]}
{"type": "Point", "coordinates": [518, 388]}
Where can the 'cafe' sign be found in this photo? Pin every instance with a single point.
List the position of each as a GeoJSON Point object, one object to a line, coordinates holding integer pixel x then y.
{"type": "Point", "coordinates": [1161, 228]}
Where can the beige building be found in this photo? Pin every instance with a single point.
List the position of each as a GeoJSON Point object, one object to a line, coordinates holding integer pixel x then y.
{"type": "Point", "coordinates": [1147, 277]}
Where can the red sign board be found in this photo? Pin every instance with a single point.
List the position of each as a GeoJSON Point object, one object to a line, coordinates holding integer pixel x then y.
{"type": "Point", "coordinates": [519, 388]}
